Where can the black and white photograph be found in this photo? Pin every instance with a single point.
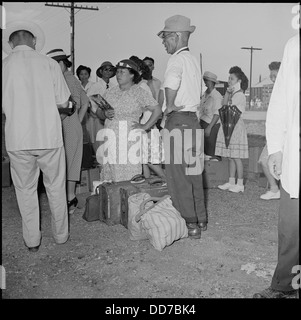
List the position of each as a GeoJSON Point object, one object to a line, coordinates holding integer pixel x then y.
{"type": "Point", "coordinates": [150, 154]}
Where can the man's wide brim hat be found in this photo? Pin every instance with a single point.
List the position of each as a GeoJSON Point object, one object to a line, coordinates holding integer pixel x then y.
{"type": "Point", "coordinates": [22, 25]}
{"type": "Point", "coordinates": [177, 23]}
{"type": "Point", "coordinates": [210, 76]}
{"type": "Point", "coordinates": [103, 65]}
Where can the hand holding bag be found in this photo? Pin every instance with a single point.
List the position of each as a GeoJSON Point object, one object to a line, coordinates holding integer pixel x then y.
{"type": "Point", "coordinates": [162, 222]}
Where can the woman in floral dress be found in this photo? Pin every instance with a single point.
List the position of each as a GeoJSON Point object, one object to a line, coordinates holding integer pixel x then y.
{"type": "Point", "coordinates": [121, 154]}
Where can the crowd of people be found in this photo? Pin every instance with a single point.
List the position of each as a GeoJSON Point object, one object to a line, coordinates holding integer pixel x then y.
{"type": "Point", "coordinates": [38, 137]}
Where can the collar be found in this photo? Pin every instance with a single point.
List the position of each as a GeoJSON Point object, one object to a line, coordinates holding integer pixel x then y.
{"type": "Point", "coordinates": [22, 47]}
{"type": "Point", "coordinates": [180, 50]}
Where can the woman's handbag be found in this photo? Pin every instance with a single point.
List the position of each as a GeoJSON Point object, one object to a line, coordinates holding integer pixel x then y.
{"type": "Point", "coordinates": [93, 210]}
{"type": "Point", "coordinates": [162, 222]}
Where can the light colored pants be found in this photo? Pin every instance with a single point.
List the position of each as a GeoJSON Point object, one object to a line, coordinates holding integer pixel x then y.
{"type": "Point", "coordinates": [25, 170]}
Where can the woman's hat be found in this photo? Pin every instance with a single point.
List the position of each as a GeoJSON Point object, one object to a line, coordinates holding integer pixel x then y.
{"type": "Point", "coordinates": [210, 76]}
{"type": "Point", "coordinates": [22, 25]}
{"type": "Point", "coordinates": [128, 64]}
{"type": "Point", "coordinates": [177, 23]}
{"type": "Point", "coordinates": [103, 65]}
{"type": "Point", "coordinates": [59, 55]}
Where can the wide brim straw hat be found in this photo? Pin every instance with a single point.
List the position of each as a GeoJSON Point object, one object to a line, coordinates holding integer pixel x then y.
{"type": "Point", "coordinates": [177, 23]}
{"type": "Point", "coordinates": [17, 25]}
{"type": "Point", "coordinates": [210, 76]}
{"type": "Point", "coordinates": [105, 64]}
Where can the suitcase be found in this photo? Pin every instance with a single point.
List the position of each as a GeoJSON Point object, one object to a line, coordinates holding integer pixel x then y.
{"type": "Point", "coordinates": [115, 198]}
{"type": "Point", "coordinates": [154, 190]}
{"type": "Point", "coordinates": [111, 204]}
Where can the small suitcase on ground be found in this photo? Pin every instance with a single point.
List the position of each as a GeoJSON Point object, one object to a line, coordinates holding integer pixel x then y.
{"type": "Point", "coordinates": [154, 190]}
{"type": "Point", "coordinates": [115, 198]}
{"type": "Point", "coordinates": [111, 200]}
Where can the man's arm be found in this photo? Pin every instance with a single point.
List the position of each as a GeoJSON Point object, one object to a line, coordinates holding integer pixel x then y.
{"type": "Point", "coordinates": [170, 101]}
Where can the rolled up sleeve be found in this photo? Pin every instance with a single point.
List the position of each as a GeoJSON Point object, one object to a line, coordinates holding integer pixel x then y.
{"type": "Point", "coordinates": [173, 75]}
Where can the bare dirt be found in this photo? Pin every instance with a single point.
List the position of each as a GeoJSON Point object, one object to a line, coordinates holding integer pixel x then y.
{"type": "Point", "coordinates": [234, 258]}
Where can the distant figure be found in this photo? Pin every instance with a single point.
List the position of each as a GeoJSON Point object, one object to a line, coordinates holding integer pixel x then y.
{"type": "Point", "coordinates": [273, 192]}
{"type": "Point", "coordinates": [238, 147]}
{"type": "Point", "coordinates": [252, 104]}
{"type": "Point", "coordinates": [106, 72]}
{"type": "Point", "coordinates": [33, 87]}
{"type": "Point", "coordinates": [211, 102]}
{"type": "Point", "coordinates": [283, 142]}
{"type": "Point", "coordinates": [153, 83]}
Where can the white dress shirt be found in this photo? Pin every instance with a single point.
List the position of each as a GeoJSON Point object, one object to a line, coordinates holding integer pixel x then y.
{"type": "Point", "coordinates": [283, 115]}
{"type": "Point", "coordinates": [183, 73]}
{"type": "Point", "coordinates": [32, 86]}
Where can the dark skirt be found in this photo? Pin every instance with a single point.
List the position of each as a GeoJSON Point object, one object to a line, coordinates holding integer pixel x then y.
{"type": "Point", "coordinates": [209, 142]}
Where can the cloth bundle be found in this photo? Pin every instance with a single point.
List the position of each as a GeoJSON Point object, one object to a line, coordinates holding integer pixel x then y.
{"type": "Point", "coordinates": [157, 221]}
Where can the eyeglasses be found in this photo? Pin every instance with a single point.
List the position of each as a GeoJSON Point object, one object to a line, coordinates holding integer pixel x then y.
{"type": "Point", "coordinates": [108, 69]}
{"type": "Point", "coordinates": [167, 35]}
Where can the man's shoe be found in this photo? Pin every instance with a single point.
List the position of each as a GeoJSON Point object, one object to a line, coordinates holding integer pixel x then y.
{"type": "Point", "coordinates": [236, 188]}
{"type": "Point", "coordinates": [269, 195]}
{"type": "Point", "coordinates": [203, 226]}
{"type": "Point", "coordinates": [194, 230]}
{"type": "Point", "coordinates": [33, 249]}
{"type": "Point", "coordinates": [270, 293]}
{"type": "Point", "coordinates": [225, 186]}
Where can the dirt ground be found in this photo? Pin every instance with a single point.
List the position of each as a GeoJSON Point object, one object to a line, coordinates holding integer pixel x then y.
{"type": "Point", "coordinates": [234, 258]}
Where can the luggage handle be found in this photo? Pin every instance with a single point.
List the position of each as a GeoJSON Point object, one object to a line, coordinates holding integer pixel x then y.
{"type": "Point", "coordinates": [142, 205]}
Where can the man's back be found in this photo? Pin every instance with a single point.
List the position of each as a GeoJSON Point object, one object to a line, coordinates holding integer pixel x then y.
{"type": "Point", "coordinates": [32, 86]}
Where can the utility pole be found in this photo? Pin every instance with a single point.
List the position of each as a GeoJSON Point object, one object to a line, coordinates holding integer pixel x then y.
{"type": "Point", "coordinates": [72, 6]}
{"type": "Point", "coordinates": [251, 49]}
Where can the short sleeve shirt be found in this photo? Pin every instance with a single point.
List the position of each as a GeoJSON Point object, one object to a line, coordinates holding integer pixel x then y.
{"type": "Point", "coordinates": [32, 86]}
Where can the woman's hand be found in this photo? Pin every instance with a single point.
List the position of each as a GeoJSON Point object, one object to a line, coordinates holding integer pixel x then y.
{"type": "Point", "coordinates": [137, 125]}
{"type": "Point", "coordinates": [109, 114]}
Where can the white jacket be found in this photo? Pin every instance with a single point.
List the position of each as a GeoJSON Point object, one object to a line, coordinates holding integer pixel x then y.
{"type": "Point", "coordinates": [282, 122]}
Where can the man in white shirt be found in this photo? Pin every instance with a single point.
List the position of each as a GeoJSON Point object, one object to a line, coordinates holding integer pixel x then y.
{"type": "Point", "coordinates": [33, 88]}
{"type": "Point", "coordinates": [183, 158]}
{"type": "Point", "coordinates": [283, 143]}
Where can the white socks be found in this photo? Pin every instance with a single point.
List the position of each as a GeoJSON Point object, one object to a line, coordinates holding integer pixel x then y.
{"type": "Point", "coordinates": [232, 181]}
{"type": "Point", "coordinates": [240, 182]}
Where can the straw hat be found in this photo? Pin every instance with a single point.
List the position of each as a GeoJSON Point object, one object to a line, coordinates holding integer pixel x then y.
{"type": "Point", "coordinates": [59, 55]}
{"type": "Point", "coordinates": [177, 23]}
{"type": "Point", "coordinates": [103, 65]}
{"type": "Point", "coordinates": [210, 76]}
{"type": "Point", "coordinates": [22, 25]}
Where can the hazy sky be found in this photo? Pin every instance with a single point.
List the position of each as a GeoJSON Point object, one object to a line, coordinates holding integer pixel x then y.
{"type": "Point", "coordinates": [118, 30]}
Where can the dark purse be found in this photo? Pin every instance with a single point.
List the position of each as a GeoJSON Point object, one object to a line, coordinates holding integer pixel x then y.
{"type": "Point", "coordinates": [70, 110]}
{"type": "Point", "coordinates": [93, 210]}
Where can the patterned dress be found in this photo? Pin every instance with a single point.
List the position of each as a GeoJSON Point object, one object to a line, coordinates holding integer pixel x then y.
{"type": "Point", "coordinates": [120, 157]}
{"type": "Point", "coordinates": [238, 146]}
{"type": "Point", "coordinates": [72, 130]}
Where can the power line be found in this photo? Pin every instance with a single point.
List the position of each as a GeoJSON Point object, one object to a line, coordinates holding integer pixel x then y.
{"type": "Point", "coordinates": [71, 6]}
{"type": "Point", "coordinates": [251, 49]}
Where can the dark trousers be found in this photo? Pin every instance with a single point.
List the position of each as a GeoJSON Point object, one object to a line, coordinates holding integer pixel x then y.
{"type": "Point", "coordinates": [288, 242]}
{"type": "Point", "coordinates": [186, 190]}
{"type": "Point", "coordinates": [209, 142]}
